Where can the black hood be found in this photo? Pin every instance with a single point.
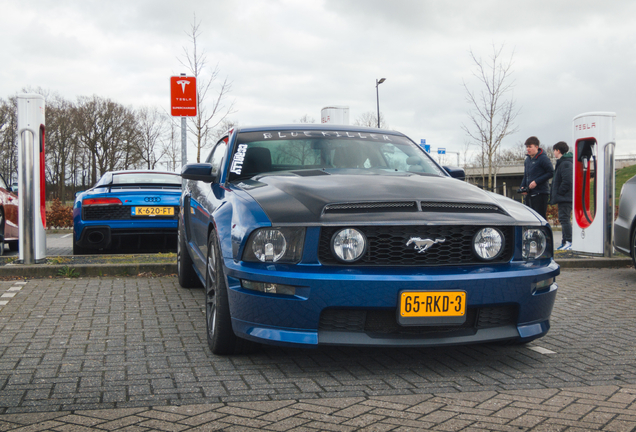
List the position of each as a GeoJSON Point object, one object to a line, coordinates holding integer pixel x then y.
{"type": "Point", "coordinates": [302, 199]}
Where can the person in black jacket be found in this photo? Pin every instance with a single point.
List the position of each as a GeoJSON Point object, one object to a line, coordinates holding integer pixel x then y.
{"type": "Point", "coordinates": [562, 191]}
{"type": "Point", "coordinates": [537, 171]}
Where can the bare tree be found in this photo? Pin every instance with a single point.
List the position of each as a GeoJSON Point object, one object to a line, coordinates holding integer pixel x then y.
{"type": "Point", "coordinates": [370, 119]}
{"type": "Point", "coordinates": [492, 114]}
{"type": "Point", "coordinates": [108, 132]}
{"type": "Point", "coordinates": [209, 116]}
{"type": "Point", "coordinates": [306, 119]}
{"type": "Point", "coordinates": [223, 127]}
{"type": "Point", "coordinates": [171, 147]}
{"type": "Point", "coordinates": [8, 139]}
{"type": "Point", "coordinates": [151, 123]}
{"type": "Point", "coordinates": [61, 142]}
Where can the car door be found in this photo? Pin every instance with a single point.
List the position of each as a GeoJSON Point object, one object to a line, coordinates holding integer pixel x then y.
{"type": "Point", "coordinates": [199, 204]}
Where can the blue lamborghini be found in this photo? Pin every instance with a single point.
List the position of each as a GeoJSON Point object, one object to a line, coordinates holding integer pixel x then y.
{"type": "Point", "coordinates": [309, 235]}
{"type": "Point", "coordinates": [130, 211]}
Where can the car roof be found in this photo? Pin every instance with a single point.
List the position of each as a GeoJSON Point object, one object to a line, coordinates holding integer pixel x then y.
{"type": "Point", "coordinates": [314, 126]}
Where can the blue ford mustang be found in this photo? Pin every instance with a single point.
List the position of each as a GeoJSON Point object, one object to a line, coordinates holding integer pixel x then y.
{"type": "Point", "coordinates": [336, 235]}
{"type": "Point", "coordinates": [128, 211]}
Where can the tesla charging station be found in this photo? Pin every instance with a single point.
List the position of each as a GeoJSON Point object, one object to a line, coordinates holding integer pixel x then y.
{"type": "Point", "coordinates": [593, 201]}
{"type": "Point", "coordinates": [31, 179]}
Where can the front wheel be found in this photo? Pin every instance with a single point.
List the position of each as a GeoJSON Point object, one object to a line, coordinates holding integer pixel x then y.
{"type": "Point", "coordinates": [221, 337]}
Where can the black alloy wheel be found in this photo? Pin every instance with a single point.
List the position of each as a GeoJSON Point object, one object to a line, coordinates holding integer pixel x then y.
{"type": "Point", "coordinates": [633, 248]}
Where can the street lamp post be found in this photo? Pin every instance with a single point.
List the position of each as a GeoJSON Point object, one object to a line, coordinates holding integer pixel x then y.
{"type": "Point", "coordinates": [377, 95]}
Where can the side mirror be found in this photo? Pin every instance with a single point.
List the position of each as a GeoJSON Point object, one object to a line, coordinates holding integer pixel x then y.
{"type": "Point", "coordinates": [455, 172]}
{"type": "Point", "coordinates": [198, 171]}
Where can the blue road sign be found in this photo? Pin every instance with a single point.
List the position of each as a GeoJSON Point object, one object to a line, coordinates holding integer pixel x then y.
{"type": "Point", "coordinates": [441, 150]}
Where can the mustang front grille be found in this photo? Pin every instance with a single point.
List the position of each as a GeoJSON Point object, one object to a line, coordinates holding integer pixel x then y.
{"type": "Point", "coordinates": [387, 245]}
{"type": "Point", "coordinates": [385, 322]}
{"type": "Point", "coordinates": [116, 212]}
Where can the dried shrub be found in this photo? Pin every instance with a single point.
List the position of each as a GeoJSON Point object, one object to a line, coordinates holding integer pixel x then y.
{"type": "Point", "coordinates": [60, 215]}
{"type": "Point", "coordinates": [553, 215]}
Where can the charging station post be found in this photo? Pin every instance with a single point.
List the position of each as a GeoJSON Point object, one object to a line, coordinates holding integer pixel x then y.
{"type": "Point", "coordinates": [31, 179]}
{"type": "Point", "coordinates": [593, 196]}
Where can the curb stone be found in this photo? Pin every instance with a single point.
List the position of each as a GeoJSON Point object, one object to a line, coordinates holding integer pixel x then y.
{"type": "Point", "coordinates": [163, 269]}
{"type": "Point", "coordinates": [42, 270]}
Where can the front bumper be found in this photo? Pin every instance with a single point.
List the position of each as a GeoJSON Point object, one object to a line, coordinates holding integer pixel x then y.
{"type": "Point", "coordinates": [507, 292]}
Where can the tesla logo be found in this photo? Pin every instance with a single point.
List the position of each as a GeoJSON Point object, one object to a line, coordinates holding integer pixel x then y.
{"type": "Point", "coordinates": [421, 245]}
{"type": "Point", "coordinates": [183, 83]}
{"type": "Point", "coordinates": [152, 199]}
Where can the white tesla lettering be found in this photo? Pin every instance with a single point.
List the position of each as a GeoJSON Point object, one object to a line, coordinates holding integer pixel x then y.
{"type": "Point", "coordinates": [239, 157]}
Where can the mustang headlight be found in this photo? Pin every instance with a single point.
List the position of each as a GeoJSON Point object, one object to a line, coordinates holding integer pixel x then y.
{"type": "Point", "coordinates": [282, 245]}
{"type": "Point", "coordinates": [488, 243]}
{"type": "Point", "coordinates": [348, 244]}
{"type": "Point", "coordinates": [534, 244]}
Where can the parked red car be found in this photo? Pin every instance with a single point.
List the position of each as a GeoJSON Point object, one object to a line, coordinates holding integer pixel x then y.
{"type": "Point", "coordinates": [8, 217]}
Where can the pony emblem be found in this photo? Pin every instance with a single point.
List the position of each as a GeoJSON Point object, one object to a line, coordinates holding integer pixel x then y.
{"type": "Point", "coordinates": [421, 245]}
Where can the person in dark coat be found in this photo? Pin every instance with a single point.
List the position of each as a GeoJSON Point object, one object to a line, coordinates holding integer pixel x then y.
{"type": "Point", "coordinates": [562, 191]}
{"type": "Point", "coordinates": [537, 172]}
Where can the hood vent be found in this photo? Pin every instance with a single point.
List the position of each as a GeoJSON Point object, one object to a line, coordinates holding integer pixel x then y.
{"type": "Point", "coordinates": [372, 207]}
{"type": "Point", "coordinates": [460, 207]}
{"type": "Point", "coordinates": [411, 206]}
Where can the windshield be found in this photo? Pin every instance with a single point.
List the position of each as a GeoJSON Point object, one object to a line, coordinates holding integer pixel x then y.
{"type": "Point", "coordinates": [261, 152]}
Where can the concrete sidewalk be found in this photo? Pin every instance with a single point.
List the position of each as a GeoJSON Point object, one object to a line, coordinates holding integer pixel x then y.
{"type": "Point", "coordinates": [104, 354]}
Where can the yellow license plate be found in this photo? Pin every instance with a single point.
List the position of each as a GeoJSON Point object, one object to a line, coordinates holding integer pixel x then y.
{"type": "Point", "coordinates": [432, 303]}
{"type": "Point", "coordinates": [153, 211]}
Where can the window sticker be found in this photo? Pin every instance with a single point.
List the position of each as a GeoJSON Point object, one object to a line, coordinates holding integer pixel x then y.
{"type": "Point", "coordinates": [322, 134]}
{"type": "Point", "coordinates": [239, 157]}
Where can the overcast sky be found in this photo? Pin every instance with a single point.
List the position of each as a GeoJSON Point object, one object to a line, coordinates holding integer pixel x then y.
{"type": "Point", "coordinates": [289, 58]}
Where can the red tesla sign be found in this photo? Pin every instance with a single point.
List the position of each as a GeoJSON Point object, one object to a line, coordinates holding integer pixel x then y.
{"type": "Point", "coordinates": [183, 96]}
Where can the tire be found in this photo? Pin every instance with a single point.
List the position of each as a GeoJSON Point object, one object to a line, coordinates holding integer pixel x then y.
{"type": "Point", "coordinates": [221, 337]}
{"type": "Point", "coordinates": [1, 232]}
{"type": "Point", "coordinates": [14, 246]}
{"type": "Point", "coordinates": [77, 249]}
{"type": "Point", "coordinates": [633, 248]}
{"type": "Point", "coordinates": [185, 267]}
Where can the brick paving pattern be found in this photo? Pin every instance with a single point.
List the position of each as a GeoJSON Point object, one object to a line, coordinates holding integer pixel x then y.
{"type": "Point", "coordinates": [131, 354]}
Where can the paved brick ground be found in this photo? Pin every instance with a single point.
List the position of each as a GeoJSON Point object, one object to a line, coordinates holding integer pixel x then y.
{"type": "Point", "coordinates": [97, 353]}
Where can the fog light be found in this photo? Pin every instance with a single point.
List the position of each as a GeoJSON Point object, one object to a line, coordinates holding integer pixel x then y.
{"type": "Point", "coordinates": [269, 288]}
{"type": "Point", "coordinates": [534, 243]}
